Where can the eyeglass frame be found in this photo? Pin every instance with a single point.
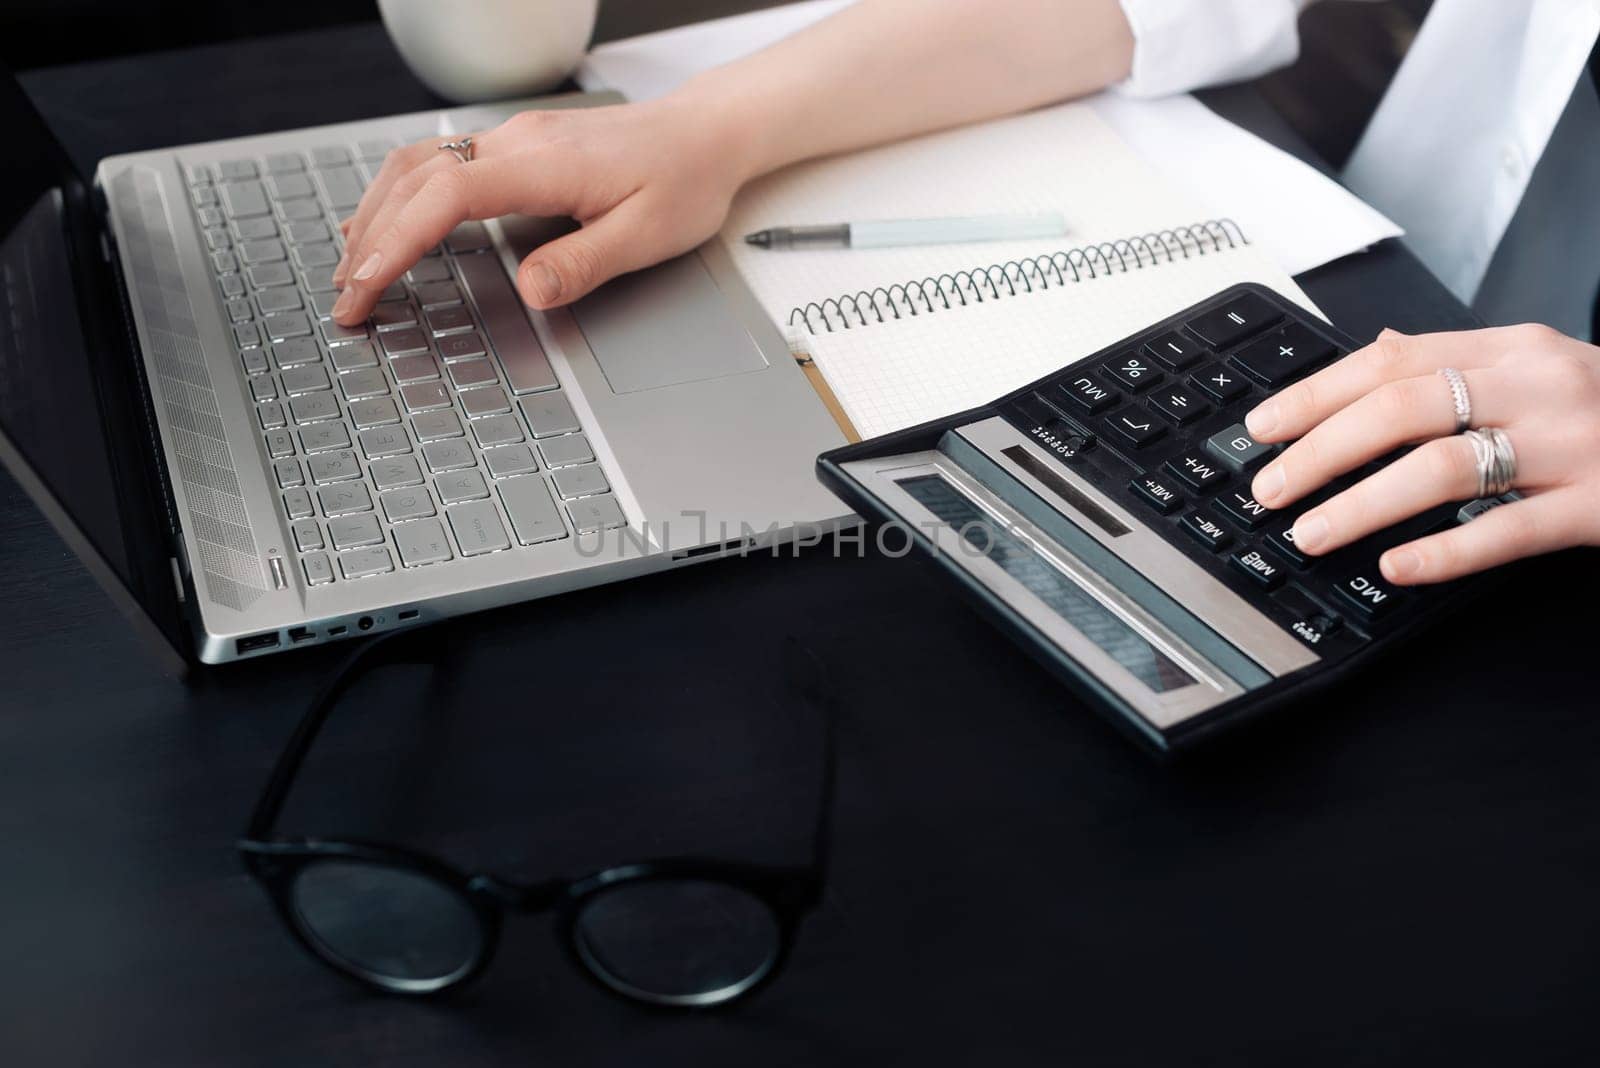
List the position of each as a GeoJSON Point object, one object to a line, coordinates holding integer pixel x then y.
{"type": "Point", "coordinates": [788, 892]}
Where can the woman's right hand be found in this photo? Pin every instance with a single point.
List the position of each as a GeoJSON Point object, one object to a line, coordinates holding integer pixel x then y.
{"type": "Point", "coordinates": [646, 181]}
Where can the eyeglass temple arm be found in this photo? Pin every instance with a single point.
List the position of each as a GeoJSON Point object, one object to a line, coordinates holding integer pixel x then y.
{"type": "Point", "coordinates": [376, 653]}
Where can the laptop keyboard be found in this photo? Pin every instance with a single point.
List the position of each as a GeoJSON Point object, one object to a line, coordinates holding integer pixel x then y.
{"type": "Point", "coordinates": [434, 432]}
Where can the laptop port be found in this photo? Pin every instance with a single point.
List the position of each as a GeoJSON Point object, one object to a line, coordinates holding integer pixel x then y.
{"type": "Point", "coordinates": [364, 623]}
{"type": "Point", "coordinates": [301, 634]}
{"type": "Point", "coordinates": [409, 614]}
{"type": "Point", "coordinates": [255, 642]}
{"type": "Point", "coordinates": [337, 632]}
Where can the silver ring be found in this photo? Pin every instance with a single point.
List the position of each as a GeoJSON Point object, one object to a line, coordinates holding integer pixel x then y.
{"type": "Point", "coordinates": [461, 149]}
{"type": "Point", "coordinates": [1496, 460]}
{"type": "Point", "coordinates": [1459, 395]}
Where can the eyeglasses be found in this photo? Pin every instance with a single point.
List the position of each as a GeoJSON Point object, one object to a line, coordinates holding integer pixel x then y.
{"type": "Point", "coordinates": [682, 932]}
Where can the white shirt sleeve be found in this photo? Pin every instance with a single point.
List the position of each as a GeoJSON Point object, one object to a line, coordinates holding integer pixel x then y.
{"type": "Point", "coordinates": [1181, 45]}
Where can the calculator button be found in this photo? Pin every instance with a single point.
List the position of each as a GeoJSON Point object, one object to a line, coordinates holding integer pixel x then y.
{"type": "Point", "coordinates": [1281, 357]}
{"type": "Point", "coordinates": [1265, 571]}
{"type": "Point", "coordinates": [1310, 622]}
{"type": "Point", "coordinates": [1197, 471]}
{"type": "Point", "coordinates": [1181, 405]}
{"type": "Point", "coordinates": [1281, 538]}
{"type": "Point", "coordinates": [1234, 321]}
{"type": "Point", "coordinates": [1206, 530]}
{"type": "Point", "coordinates": [1368, 593]}
{"type": "Point", "coordinates": [1157, 492]}
{"type": "Point", "coordinates": [1135, 425]}
{"type": "Point", "coordinates": [1090, 395]}
{"type": "Point", "coordinates": [1221, 384]}
{"type": "Point", "coordinates": [1174, 351]}
{"type": "Point", "coordinates": [1135, 371]}
{"type": "Point", "coordinates": [1244, 509]}
{"type": "Point", "coordinates": [1235, 447]}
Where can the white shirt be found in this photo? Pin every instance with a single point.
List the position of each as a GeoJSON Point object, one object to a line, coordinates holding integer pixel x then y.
{"type": "Point", "coordinates": [1451, 149]}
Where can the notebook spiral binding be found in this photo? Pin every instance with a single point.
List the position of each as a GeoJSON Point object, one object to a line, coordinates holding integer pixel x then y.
{"type": "Point", "coordinates": [1014, 277]}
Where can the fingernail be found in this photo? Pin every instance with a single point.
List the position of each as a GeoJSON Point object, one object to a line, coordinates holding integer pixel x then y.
{"type": "Point", "coordinates": [1269, 483]}
{"type": "Point", "coordinates": [1310, 533]}
{"type": "Point", "coordinates": [1402, 564]}
{"type": "Point", "coordinates": [342, 305]}
{"type": "Point", "coordinates": [546, 285]}
{"type": "Point", "coordinates": [370, 267]}
{"type": "Point", "coordinates": [1263, 420]}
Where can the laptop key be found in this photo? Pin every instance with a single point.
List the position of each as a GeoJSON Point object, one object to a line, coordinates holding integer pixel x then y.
{"type": "Point", "coordinates": [285, 163]}
{"type": "Point", "coordinates": [414, 369]}
{"type": "Point", "coordinates": [320, 280]}
{"type": "Point", "coordinates": [359, 385]}
{"type": "Point", "coordinates": [321, 255]}
{"type": "Point", "coordinates": [360, 563]}
{"type": "Point", "coordinates": [232, 285]}
{"type": "Point", "coordinates": [566, 451]}
{"type": "Point", "coordinates": [384, 441]}
{"type": "Point", "coordinates": [297, 503]}
{"type": "Point", "coordinates": [431, 270]}
{"type": "Point", "coordinates": [289, 186]}
{"type": "Point", "coordinates": [580, 481]}
{"type": "Point", "coordinates": [280, 443]}
{"type": "Point", "coordinates": [448, 455]}
{"type": "Point", "coordinates": [224, 262]}
{"type": "Point", "coordinates": [204, 196]}
{"type": "Point", "coordinates": [374, 411]}
{"type": "Point", "coordinates": [322, 304]}
{"type": "Point", "coordinates": [269, 250]}
{"type": "Point", "coordinates": [490, 401]}
{"type": "Point", "coordinates": [307, 232]}
{"type": "Point", "coordinates": [271, 415]}
{"type": "Point", "coordinates": [355, 531]}
{"type": "Point", "coordinates": [341, 466]}
{"type": "Point", "coordinates": [438, 294]}
{"type": "Point", "coordinates": [458, 486]}
{"type": "Point", "coordinates": [314, 407]}
{"type": "Point", "coordinates": [477, 528]}
{"type": "Point", "coordinates": [496, 429]}
{"type": "Point", "coordinates": [395, 471]}
{"type": "Point", "coordinates": [264, 388]}
{"type": "Point", "coordinates": [307, 535]}
{"type": "Point", "coordinates": [233, 169]}
{"type": "Point", "coordinates": [255, 229]}
{"type": "Point", "coordinates": [306, 379]}
{"type": "Point", "coordinates": [334, 334]}
{"type": "Point", "coordinates": [267, 275]}
{"type": "Point", "coordinates": [296, 352]}
{"type": "Point", "coordinates": [317, 569]}
{"type": "Point", "coordinates": [410, 503]}
{"type": "Point", "coordinates": [403, 342]}
{"type": "Point", "coordinates": [533, 514]}
{"type": "Point", "coordinates": [281, 299]}
{"type": "Point", "coordinates": [324, 437]}
{"type": "Point", "coordinates": [548, 415]}
{"type": "Point", "coordinates": [595, 513]}
{"type": "Point", "coordinates": [244, 199]}
{"type": "Point", "coordinates": [469, 236]}
{"type": "Point", "coordinates": [299, 210]}
{"type": "Point", "coordinates": [344, 498]}
{"type": "Point", "coordinates": [394, 316]}
{"type": "Point", "coordinates": [329, 155]}
{"type": "Point", "coordinates": [375, 148]}
{"type": "Point", "coordinates": [254, 361]}
{"type": "Point", "coordinates": [353, 356]}
{"type": "Point", "coordinates": [424, 396]}
{"type": "Point", "coordinates": [342, 186]}
{"type": "Point", "coordinates": [470, 373]}
{"type": "Point", "coordinates": [434, 426]}
{"type": "Point", "coordinates": [461, 346]}
{"type": "Point", "coordinates": [423, 542]}
{"type": "Point", "coordinates": [510, 460]}
{"type": "Point", "coordinates": [506, 324]}
{"type": "Point", "coordinates": [286, 324]}
{"type": "Point", "coordinates": [450, 320]}
{"type": "Point", "coordinates": [288, 473]}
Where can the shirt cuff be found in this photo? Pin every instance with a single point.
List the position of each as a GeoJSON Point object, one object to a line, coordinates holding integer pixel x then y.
{"type": "Point", "coordinates": [1181, 45]}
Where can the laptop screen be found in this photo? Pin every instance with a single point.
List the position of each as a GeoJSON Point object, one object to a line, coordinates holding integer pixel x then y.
{"type": "Point", "coordinates": [70, 407]}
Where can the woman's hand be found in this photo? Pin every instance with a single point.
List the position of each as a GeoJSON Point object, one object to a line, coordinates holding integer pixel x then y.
{"type": "Point", "coordinates": [646, 181]}
{"type": "Point", "coordinates": [1539, 386]}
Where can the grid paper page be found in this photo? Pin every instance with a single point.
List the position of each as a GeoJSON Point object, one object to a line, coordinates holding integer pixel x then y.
{"type": "Point", "coordinates": [1063, 159]}
{"type": "Point", "coordinates": [903, 372]}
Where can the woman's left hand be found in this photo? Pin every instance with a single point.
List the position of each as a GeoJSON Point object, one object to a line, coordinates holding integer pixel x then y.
{"type": "Point", "coordinates": [1539, 386]}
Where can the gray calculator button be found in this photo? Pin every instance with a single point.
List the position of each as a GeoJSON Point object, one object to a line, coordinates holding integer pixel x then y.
{"type": "Point", "coordinates": [438, 294]}
{"type": "Point", "coordinates": [414, 369]}
{"type": "Point", "coordinates": [306, 379]}
{"type": "Point", "coordinates": [431, 270]}
{"type": "Point", "coordinates": [411, 502]}
{"type": "Point", "coordinates": [343, 187]}
{"type": "Point", "coordinates": [355, 354]}
{"type": "Point", "coordinates": [424, 396]}
{"type": "Point", "coordinates": [394, 316]}
{"type": "Point", "coordinates": [1235, 447]}
{"type": "Point", "coordinates": [461, 346]}
{"type": "Point", "coordinates": [307, 232]}
{"type": "Point", "coordinates": [496, 429]}
{"type": "Point", "coordinates": [477, 528]}
{"type": "Point", "coordinates": [359, 563]}
{"type": "Point", "coordinates": [395, 471]}
{"type": "Point", "coordinates": [285, 163]}
{"type": "Point", "coordinates": [549, 414]}
{"type": "Point", "coordinates": [448, 455]}
{"type": "Point", "coordinates": [271, 415]}
{"type": "Point", "coordinates": [289, 186]}
{"type": "Point", "coordinates": [277, 300]}
{"type": "Point", "coordinates": [343, 498]}
{"type": "Point", "coordinates": [374, 411]}
{"type": "Point", "coordinates": [307, 535]}
{"type": "Point", "coordinates": [255, 229]}
{"type": "Point", "coordinates": [314, 408]}
{"type": "Point", "coordinates": [324, 437]}
{"type": "Point", "coordinates": [323, 255]}
{"type": "Point", "coordinates": [354, 531]}
{"type": "Point", "coordinates": [235, 169]}
{"type": "Point", "coordinates": [297, 502]}
{"type": "Point", "coordinates": [341, 466]}
{"type": "Point", "coordinates": [566, 451]}
{"type": "Point", "coordinates": [271, 274]}
{"type": "Point", "coordinates": [422, 542]}
{"type": "Point", "coordinates": [243, 199]}
{"type": "Point", "coordinates": [460, 486]}
{"type": "Point", "coordinates": [288, 473]}
{"type": "Point", "coordinates": [489, 401]}
{"type": "Point", "coordinates": [299, 210]}
{"type": "Point", "coordinates": [384, 441]}
{"type": "Point", "coordinates": [280, 443]}
{"type": "Point", "coordinates": [317, 569]}
{"type": "Point", "coordinates": [533, 514]}
{"type": "Point", "coordinates": [432, 426]}
{"type": "Point", "coordinates": [470, 373]}
{"type": "Point", "coordinates": [365, 383]}
{"type": "Point", "coordinates": [268, 251]}
{"type": "Point", "coordinates": [595, 513]}
{"type": "Point", "coordinates": [580, 481]}
{"type": "Point", "coordinates": [286, 325]}
{"type": "Point", "coordinates": [296, 351]}
{"type": "Point", "coordinates": [511, 460]}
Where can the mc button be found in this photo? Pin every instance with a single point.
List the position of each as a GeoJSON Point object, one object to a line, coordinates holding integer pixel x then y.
{"type": "Point", "coordinates": [1368, 593]}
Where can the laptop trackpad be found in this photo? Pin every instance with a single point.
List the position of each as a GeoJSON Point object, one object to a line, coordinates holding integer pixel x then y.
{"type": "Point", "coordinates": [664, 326]}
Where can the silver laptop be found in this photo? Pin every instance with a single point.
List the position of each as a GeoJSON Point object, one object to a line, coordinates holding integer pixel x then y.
{"type": "Point", "coordinates": [259, 478]}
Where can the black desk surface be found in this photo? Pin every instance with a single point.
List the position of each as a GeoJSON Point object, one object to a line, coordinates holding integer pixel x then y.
{"type": "Point", "coordinates": [1405, 872]}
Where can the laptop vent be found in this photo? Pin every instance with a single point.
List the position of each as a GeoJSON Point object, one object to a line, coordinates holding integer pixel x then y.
{"type": "Point", "coordinates": [216, 513]}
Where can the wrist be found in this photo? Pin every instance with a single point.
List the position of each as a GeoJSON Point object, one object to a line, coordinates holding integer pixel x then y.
{"type": "Point", "coordinates": [735, 123]}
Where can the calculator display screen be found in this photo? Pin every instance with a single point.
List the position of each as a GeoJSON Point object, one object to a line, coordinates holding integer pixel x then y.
{"type": "Point", "coordinates": [984, 537]}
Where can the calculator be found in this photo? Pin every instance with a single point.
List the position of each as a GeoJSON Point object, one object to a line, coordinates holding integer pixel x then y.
{"type": "Point", "coordinates": [1103, 517]}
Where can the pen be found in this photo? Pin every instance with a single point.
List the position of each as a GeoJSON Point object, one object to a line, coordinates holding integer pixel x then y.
{"type": "Point", "coordinates": [890, 232]}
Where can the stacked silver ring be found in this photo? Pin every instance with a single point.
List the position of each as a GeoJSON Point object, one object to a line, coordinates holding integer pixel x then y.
{"type": "Point", "coordinates": [1459, 395]}
{"type": "Point", "coordinates": [461, 150]}
{"type": "Point", "coordinates": [1495, 458]}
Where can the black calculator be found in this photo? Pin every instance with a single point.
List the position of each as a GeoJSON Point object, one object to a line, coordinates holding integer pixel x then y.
{"type": "Point", "coordinates": [1103, 516]}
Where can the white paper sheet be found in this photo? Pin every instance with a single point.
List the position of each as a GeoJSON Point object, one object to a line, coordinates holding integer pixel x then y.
{"type": "Point", "coordinates": [1302, 218]}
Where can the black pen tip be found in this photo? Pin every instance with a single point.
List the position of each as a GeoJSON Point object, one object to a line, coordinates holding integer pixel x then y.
{"type": "Point", "coordinates": [761, 239]}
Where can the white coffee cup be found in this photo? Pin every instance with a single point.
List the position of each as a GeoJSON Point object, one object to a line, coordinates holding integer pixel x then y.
{"type": "Point", "coordinates": [475, 50]}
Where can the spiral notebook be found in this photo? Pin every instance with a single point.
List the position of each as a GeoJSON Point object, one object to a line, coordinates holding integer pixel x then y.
{"type": "Point", "coordinates": [895, 337]}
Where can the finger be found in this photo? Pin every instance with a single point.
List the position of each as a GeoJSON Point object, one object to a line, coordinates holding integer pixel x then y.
{"type": "Point", "coordinates": [357, 246]}
{"type": "Point", "coordinates": [1444, 469]}
{"type": "Point", "coordinates": [1538, 524]}
{"type": "Point", "coordinates": [571, 266]}
{"type": "Point", "coordinates": [1298, 408]}
{"type": "Point", "coordinates": [396, 165]}
{"type": "Point", "coordinates": [1397, 413]}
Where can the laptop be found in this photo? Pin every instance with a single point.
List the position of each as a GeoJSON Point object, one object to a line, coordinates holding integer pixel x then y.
{"type": "Point", "coordinates": [245, 476]}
